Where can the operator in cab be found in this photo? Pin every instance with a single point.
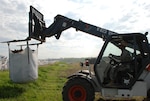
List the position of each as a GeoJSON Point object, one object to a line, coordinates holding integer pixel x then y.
{"type": "Point", "coordinates": [125, 55]}
{"type": "Point", "coordinates": [118, 71]}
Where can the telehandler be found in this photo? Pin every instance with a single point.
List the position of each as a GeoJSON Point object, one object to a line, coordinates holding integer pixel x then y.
{"type": "Point", "coordinates": [121, 70]}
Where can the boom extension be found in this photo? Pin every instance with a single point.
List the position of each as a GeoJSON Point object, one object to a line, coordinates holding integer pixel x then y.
{"type": "Point", "coordinates": [38, 30]}
{"type": "Point", "coordinates": [62, 23]}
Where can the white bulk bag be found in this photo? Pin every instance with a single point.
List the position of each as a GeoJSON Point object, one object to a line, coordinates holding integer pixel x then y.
{"type": "Point", "coordinates": [23, 65]}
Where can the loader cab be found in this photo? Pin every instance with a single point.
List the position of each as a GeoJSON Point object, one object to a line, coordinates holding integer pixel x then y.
{"type": "Point", "coordinates": [122, 59]}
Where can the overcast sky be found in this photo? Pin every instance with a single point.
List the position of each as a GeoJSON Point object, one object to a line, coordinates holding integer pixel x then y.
{"type": "Point", "coordinates": [122, 16]}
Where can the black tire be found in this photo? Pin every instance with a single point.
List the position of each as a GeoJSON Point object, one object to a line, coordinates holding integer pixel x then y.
{"type": "Point", "coordinates": [78, 89]}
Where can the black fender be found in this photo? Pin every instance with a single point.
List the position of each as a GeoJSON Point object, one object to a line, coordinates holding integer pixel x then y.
{"type": "Point", "coordinates": [90, 77]}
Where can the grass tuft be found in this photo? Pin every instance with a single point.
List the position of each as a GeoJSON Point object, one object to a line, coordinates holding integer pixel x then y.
{"type": "Point", "coordinates": [47, 87]}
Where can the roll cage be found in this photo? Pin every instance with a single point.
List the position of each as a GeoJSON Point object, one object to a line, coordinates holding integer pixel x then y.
{"type": "Point", "coordinates": [140, 56]}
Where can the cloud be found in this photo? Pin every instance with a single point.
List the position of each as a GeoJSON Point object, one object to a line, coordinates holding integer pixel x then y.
{"type": "Point", "coordinates": [81, 1]}
{"type": "Point", "coordinates": [116, 15]}
{"type": "Point", "coordinates": [13, 21]}
{"type": "Point", "coordinates": [72, 15]}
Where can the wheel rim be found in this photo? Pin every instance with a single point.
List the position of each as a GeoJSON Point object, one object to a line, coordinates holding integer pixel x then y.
{"type": "Point", "coordinates": [77, 93]}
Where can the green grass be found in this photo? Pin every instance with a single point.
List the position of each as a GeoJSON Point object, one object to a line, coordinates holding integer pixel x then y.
{"type": "Point", "coordinates": [47, 87]}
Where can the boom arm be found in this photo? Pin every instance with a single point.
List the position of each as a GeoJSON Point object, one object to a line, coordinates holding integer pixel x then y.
{"type": "Point", "coordinates": [60, 24]}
